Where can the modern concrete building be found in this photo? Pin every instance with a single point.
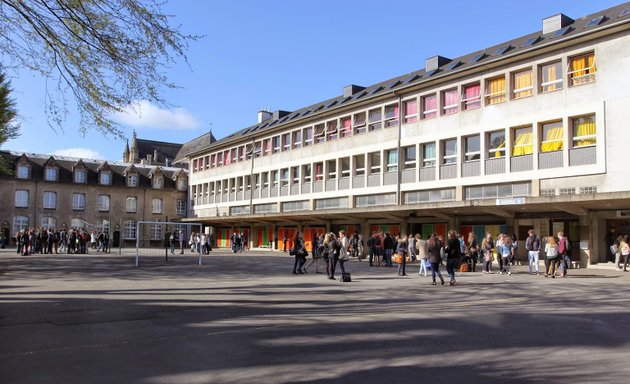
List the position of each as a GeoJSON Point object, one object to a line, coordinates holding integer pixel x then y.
{"type": "Point", "coordinates": [530, 133]}
{"type": "Point", "coordinates": [63, 192]}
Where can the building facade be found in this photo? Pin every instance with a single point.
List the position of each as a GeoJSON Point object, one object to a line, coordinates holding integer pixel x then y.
{"type": "Point", "coordinates": [56, 192]}
{"type": "Point", "coordinates": [526, 134]}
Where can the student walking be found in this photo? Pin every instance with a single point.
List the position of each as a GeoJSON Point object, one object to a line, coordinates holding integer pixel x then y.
{"type": "Point", "coordinates": [433, 249]}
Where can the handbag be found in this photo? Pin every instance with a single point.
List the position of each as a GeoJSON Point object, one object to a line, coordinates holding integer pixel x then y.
{"type": "Point", "coordinates": [398, 259]}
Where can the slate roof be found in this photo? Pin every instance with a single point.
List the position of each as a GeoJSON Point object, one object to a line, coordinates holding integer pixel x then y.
{"type": "Point", "coordinates": [601, 20]}
{"type": "Point", "coordinates": [66, 165]}
{"type": "Point", "coordinates": [165, 150]}
{"type": "Point", "coordinates": [194, 145]}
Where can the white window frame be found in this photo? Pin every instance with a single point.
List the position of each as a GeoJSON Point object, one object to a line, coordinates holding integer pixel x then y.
{"type": "Point", "coordinates": [156, 205]}
{"type": "Point", "coordinates": [158, 182]}
{"type": "Point", "coordinates": [375, 169]}
{"type": "Point", "coordinates": [429, 111]}
{"type": "Point", "coordinates": [449, 159]}
{"type": "Point", "coordinates": [492, 151]}
{"type": "Point", "coordinates": [394, 119]}
{"type": "Point", "coordinates": [587, 78]}
{"type": "Point", "coordinates": [358, 170]}
{"type": "Point", "coordinates": [286, 141]}
{"type": "Point", "coordinates": [468, 154]}
{"type": "Point", "coordinates": [319, 133]}
{"type": "Point", "coordinates": [471, 102]}
{"type": "Point", "coordinates": [23, 171]}
{"type": "Point", "coordinates": [182, 184]}
{"type": "Point", "coordinates": [410, 164]}
{"type": "Point", "coordinates": [129, 230]}
{"type": "Point", "coordinates": [21, 198]}
{"type": "Point", "coordinates": [429, 162]}
{"type": "Point", "coordinates": [50, 200]}
{"type": "Point", "coordinates": [80, 176]}
{"type": "Point", "coordinates": [131, 204]}
{"type": "Point", "coordinates": [559, 81]}
{"type": "Point", "coordinates": [376, 123]}
{"type": "Point", "coordinates": [515, 91]}
{"type": "Point", "coordinates": [413, 117]}
{"type": "Point", "coordinates": [296, 139]}
{"type": "Point", "coordinates": [155, 231]}
{"type": "Point", "coordinates": [78, 201]}
{"type": "Point", "coordinates": [103, 203]}
{"type": "Point", "coordinates": [52, 174]}
{"type": "Point", "coordinates": [49, 222]}
{"type": "Point", "coordinates": [332, 130]}
{"type": "Point", "coordinates": [308, 141]}
{"type": "Point", "coordinates": [345, 171]}
{"type": "Point", "coordinates": [132, 180]}
{"type": "Point", "coordinates": [105, 178]}
{"type": "Point", "coordinates": [445, 107]}
{"type": "Point", "coordinates": [307, 171]}
{"type": "Point", "coordinates": [181, 206]}
{"type": "Point", "coordinates": [391, 167]}
{"type": "Point", "coordinates": [332, 171]}
{"type": "Point", "coordinates": [359, 126]}
{"type": "Point", "coordinates": [20, 223]}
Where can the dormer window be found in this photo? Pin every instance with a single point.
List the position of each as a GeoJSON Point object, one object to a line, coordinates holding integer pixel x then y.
{"type": "Point", "coordinates": [105, 178]}
{"type": "Point", "coordinates": [23, 171]}
{"type": "Point", "coordinates": [51, 174]}
{"type": "Point", "coordinates": [80, 176]}
{"type": "Point", "coordinates": [158, 182]}
{"type": "Point", "coordinates": [132, 180]}
{"type": "Point", "coordinates": [182, 184]}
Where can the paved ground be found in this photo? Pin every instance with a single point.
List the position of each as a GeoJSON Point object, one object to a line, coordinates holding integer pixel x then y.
{"type": "Point", "coordinates": [246, 319]}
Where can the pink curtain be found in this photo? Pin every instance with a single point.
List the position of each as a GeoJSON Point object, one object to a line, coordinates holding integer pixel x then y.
{"type": "Point", "coordinates": [411, 107]}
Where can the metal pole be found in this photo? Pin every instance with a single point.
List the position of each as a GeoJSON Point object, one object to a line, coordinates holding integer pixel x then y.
{"type": "Point", "coordinates": [137, 244]}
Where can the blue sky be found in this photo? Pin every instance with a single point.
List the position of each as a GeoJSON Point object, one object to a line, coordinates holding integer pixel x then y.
{"type": "Point", "coordinates": [286, 55]}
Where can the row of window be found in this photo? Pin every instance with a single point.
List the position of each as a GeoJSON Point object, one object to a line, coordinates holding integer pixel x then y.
{"type": "Point", "coordinates": [550, 138]}
{"type": "Point", "coordinates": [104, 177]}
{"type": "Point", "coordinates": [102, 202]}
{"type": "Point", "coordinates": [580, 70]}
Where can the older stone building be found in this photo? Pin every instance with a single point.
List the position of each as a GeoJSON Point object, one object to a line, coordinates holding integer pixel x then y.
{"type": "Point", "coordinates": [63, 192]}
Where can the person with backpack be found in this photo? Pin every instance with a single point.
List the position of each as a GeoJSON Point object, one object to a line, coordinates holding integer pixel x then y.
{"type": "Point", "coordinates": [532, 245]}
{"type": "Point", "coordinates": [564, 252]}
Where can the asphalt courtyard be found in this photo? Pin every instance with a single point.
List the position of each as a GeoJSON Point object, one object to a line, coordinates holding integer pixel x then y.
{"type": "Point", "coordinates": [247, 319]}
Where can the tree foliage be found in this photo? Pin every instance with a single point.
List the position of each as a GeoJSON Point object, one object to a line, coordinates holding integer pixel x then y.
{"type": "Point", "coordinates": [9, 127]}
{"type": "Point", "coordinates": [102, 54]}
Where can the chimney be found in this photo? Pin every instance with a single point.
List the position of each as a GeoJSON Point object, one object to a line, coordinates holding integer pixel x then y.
{"type": "Point", "coordinates": [263, 115]}
{"type": "Point", "coordinates": [279, 114]}
{"type": "Point", "coordinates": [155, 155]}
{"type": "Point", "coordinates": [433, 63]}
{"type": "Point", "coordinates": [166, 163]}
{"type": "Point", "coordinates": [351, 89]}
{"type": "Point", "coordinates": [556, 22]}
{"type": "Point", "coordinates": [149, 159]}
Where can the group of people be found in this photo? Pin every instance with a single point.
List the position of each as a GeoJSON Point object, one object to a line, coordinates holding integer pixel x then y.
{"type": "Point", "coordinates": [239, 242]}
{"type": "Point", "coordinates": [198, 242]}
{"type": "Point", "coordinates": [332, 249]}
{"type": "Point", "coordinates": [54, 241]}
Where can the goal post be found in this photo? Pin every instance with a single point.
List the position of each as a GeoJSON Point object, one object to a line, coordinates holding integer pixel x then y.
{"type": "Point", "coordinates": [166, 242]}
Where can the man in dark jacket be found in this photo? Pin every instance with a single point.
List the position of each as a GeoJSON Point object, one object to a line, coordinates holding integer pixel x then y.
{"type": "Point", "coordinates": [453, 255]}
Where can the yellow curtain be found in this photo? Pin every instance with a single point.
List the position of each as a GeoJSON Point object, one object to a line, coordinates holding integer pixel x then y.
{"type": "Point", "coordinates": [553, 141]}
{"type": "Point", "coordinates": [499, 153]}
{"type": "Point", "coordinates": [585, 127]}
{"type": "Point", "coordinates": [581, 66]}
{"type": "Point", "coordinates": [523, 144]}
{"type": "Point", "coordinates": [552, 75]}
{"type": "Point", "coordinates": [497, 90]}
{"type": "Point", "coordinates": [523, 80]}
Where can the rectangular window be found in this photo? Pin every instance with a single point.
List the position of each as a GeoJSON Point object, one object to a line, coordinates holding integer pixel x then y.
{"type": "Point", "coordinates": [21, 198]}
{"type": "Point", "coordinates": [105, 178]}
{"type": "Point", "coordinates": [130, 230]}
{"type": "Point", "coordinates": [331, 130]}
{"type": "Point", "coordinates": [552, 137]}
{"type": "Point", "coordinates": [50, 200]}
{"type": "Point", "coordinates": [346, 127]}
{"type": "Point", "coordinates": [275, 143]}
{"type": "Point", "coordinates": [213, 160]}
{"type": "Point", "coordinates": [257, 149]}
{"type": "Point", "coordinates": [473, 148]}
{"type": "Point", "coordinates": [20, 223]}
{"type": "Point", "coordinates": [284, 177]}
{"type": "Point", "coordinates": [319, 133]}
{"type": "Point", "coordinates": [495, 90]}
{"type": "Point", "coordinates": [182, 184]}
{"type": "Point", "coordinates": [51, 174]}
{"type": "Point", "coordinates": [582, 69]}
{"type": "Point", "coordinates": [359, 165]}
{"type": "Point", "coordinates": [233, 155]}
{"type": "Point", "coordinates": [155, 231]}
{"type": "Point", "coordinates": [80, 176]}
{"type": "Point", "coordinates": [227, 160]}
{"type": "Point", "coordinates": [308, 136]}
{"type": "Point", "coordinates": [275, 179]}
{"type": "Point", "coordinates": [409, 154]}
{"type": "Point", "coordinates": [411, 110]}
{"type": "Point", "coordinates": [266, 147]}
{"type": "Point", "coordinates": [103, 203]}
{"type": "Point", "coordinates": [131, 204]}
{"type": "Point", "coordinates": [522, 84]}
{"type": "Point", "coordinates": [49, 223]}
{"type": "Point", "coordinates": [297, 139]}
{"type": "Point", "coordinates": [265, 179]}
{"type": "Point", "coordinates": [181, 207]}
{"type": "Point", "coordinates": [158, 182]}
{"type": "Point", "coordinates": [428, 155]}
{"type": "Point", "coordinates": [78, 201]}
{"type": "Point", "coordinates": [332, 169]}
{"type": "Point", "coordinates": [286, 141]}
{"type": "Point", "coordinates": [375, 162]}
{"type": "Point", "coordinates": [156, 205]}
{"type": "Point", "coordinates": [471, 96]}
{"type": "Point", "coordinates": [584, 131]}
{"type": "Point", "coordinates": [195, 165]}
{"type": "Point", "coordinates": [550, 77]}
{"type": "Point", "coordinates": [450, 102]}
{"type": "Point", "coordinates": [496, 144]}
{"type": "Point", "coordinates": [523, 141]}
{"type": "Point", "coordinates": [132, 180]}
{"type": "Point", "coordinates": [375, 117]}
{"type": "Point", "coordinates": [319, 171]}
{"type": "Point", "coordinates": [392, 115]}
{"type": "Point", "coordinates": [306, 171]}
{"type": "Point", "coordinates": [295, 175]}
{"type": "Point", "coordinates": [23, 171]}
{"type": "Point", "coordinates": [241, 154]}
{"type": "Point", "coordinates": [449, 151]}
{"type": "Point", "coordinates": [429, 106]}
{"type": "Point", "coordinates": [392, 160]}
{"type": "Point", "coordinates": [358, 123]}
{"type": "Point", "coordinates": [345, 166]}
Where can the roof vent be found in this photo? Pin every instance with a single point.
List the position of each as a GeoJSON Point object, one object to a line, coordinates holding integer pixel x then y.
{"type": "Point", "coordinates": [263, 115]}
{"type": "Point", "coordinates": [556, 22]}
{"type": "Point", "coordinates": [351, 89]}
{"type": "Point", "coordinates": [280, 114]}
{"type": "Point", "coordinates": [435, 62]}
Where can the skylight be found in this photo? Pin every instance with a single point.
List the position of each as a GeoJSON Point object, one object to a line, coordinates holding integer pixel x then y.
{"type": "Point", "coordinates": [531, 41]}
